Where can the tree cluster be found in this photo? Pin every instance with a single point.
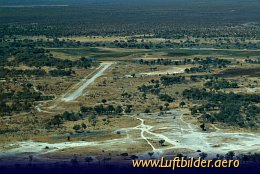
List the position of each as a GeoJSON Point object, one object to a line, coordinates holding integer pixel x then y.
{"type": "Point", "coordinates": [230, 108]}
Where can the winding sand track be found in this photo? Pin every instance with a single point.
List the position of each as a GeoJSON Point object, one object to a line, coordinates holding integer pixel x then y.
{"type": "Point", "coordinates": [180, 134]}
{"type": "Point", "coordinates": [177, 133]}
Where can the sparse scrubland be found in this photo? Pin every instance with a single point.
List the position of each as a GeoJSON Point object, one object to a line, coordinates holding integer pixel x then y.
{"type": "Point", "coordinates": [171, 84]}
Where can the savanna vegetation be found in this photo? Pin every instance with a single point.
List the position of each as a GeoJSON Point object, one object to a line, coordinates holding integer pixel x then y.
{"type": "Point", "coordinates": [78, 72]}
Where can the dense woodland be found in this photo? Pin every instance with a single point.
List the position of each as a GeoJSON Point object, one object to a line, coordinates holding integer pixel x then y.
{"type": "Point", "coordinates": [14, 54]}
{"type": "Point", "coordinates": [221, 27]}
{"type": "Point", "coordinates": [128, 19]}
{"type": "Point", "coordinates": [85, 112]}
{"type": "Point", "coordinates": [132, 43]}
{"type": "Point", "coordinates": [230, 108]}
{"type": "Point", "coordinates": [17, 94]}
{"type": "Point", "coordinates": [22, 101]}
{"type": "Point", "coordinates": [209, 61]}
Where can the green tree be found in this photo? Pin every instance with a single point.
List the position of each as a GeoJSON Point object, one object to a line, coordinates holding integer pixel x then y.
{"type": "Point", "coordinates": [203, 155]}
{"type": "Point", "coordinates": [89, 159]}
{"type": "Point", "coordinates": [104, 101]}
{"type": "Point", "coordinates": [161, 142]}
{"type": "Point", "coordinates": [230, 155]}
{"type": "Point", "coordinates": [167, 105]}
{"type": "Point", "coordinates": [76, 127]}
{"type": "Point", "coordinates": [84, 126]}
{"type": "Point", "coordinates": [182, 104]}
{"type": "Point", "coordinates": [119, 109]}
{"type": "Point", "coordinates": [147, 110]}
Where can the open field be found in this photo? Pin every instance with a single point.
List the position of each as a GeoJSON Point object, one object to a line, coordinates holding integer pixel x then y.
{"type": "Point", "coordinates": [130, 54]}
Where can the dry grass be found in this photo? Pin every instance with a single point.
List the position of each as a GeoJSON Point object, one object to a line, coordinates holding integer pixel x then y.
{"type": "Point", "coordinates": [116, 81]}
{"type": "Point", "coordinates": [65, 56]}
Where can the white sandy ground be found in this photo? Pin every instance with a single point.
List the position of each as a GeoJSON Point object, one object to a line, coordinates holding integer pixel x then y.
{"type": "Point", "coordinates": [216, 49]}
{"type": "Point", "coordinates": [256, 89]}
{"type": "Point", "coordinates": [175, 70]}
{"type": "Point", "coordinates": [179, 134]}
{"type": "Point", "coordinates": [38, 107]}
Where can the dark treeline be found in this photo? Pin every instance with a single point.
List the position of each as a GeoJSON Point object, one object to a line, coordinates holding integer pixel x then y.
{"type": "Point", "coordinates": [131, 43]}
{"type": "Point", "coordinates": [207, 64]}
{"type": "Point", "coordinates": [209, 61]}
{"type": "Point", "coordinates": [4, 73]}
{"type": "Point", "coordinates": [85, 112]}
{"type": "Point", "coordinates": [16, 53]}
{"type": "Point", "coordinates": [37, 57]}
{"type": "Point", "coordinates": [162, 19]}
{"type": "Point", "coordinates": [27, 54]}
{"type": "Point", "coordinates": [167, 81]}
{"type": "Point", "coordinates": [204, 76]}
{"type": "Point", "coordinates": [229, 108]}
{"type": "Point", "coordinates": [197, 69]}
{"type": "Point", "coordinates": [215, 62]}
{"type": "Point", "coordinates": [23, 101]}
{"type": "Point", "coordinates": [164, 62]}
{"type": "Point", "coordinates": [220, 84]}
{"type": "Point", "coordinates": [155, 89]}
{"type": "Point", "coordinates": [61, 72]}
{"type": "Point", "coordinates": [106, 29]}
{"type": "Point", "coordinates": [134, 44]}
{"type": "Point", "coordinates": [226, 44]}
